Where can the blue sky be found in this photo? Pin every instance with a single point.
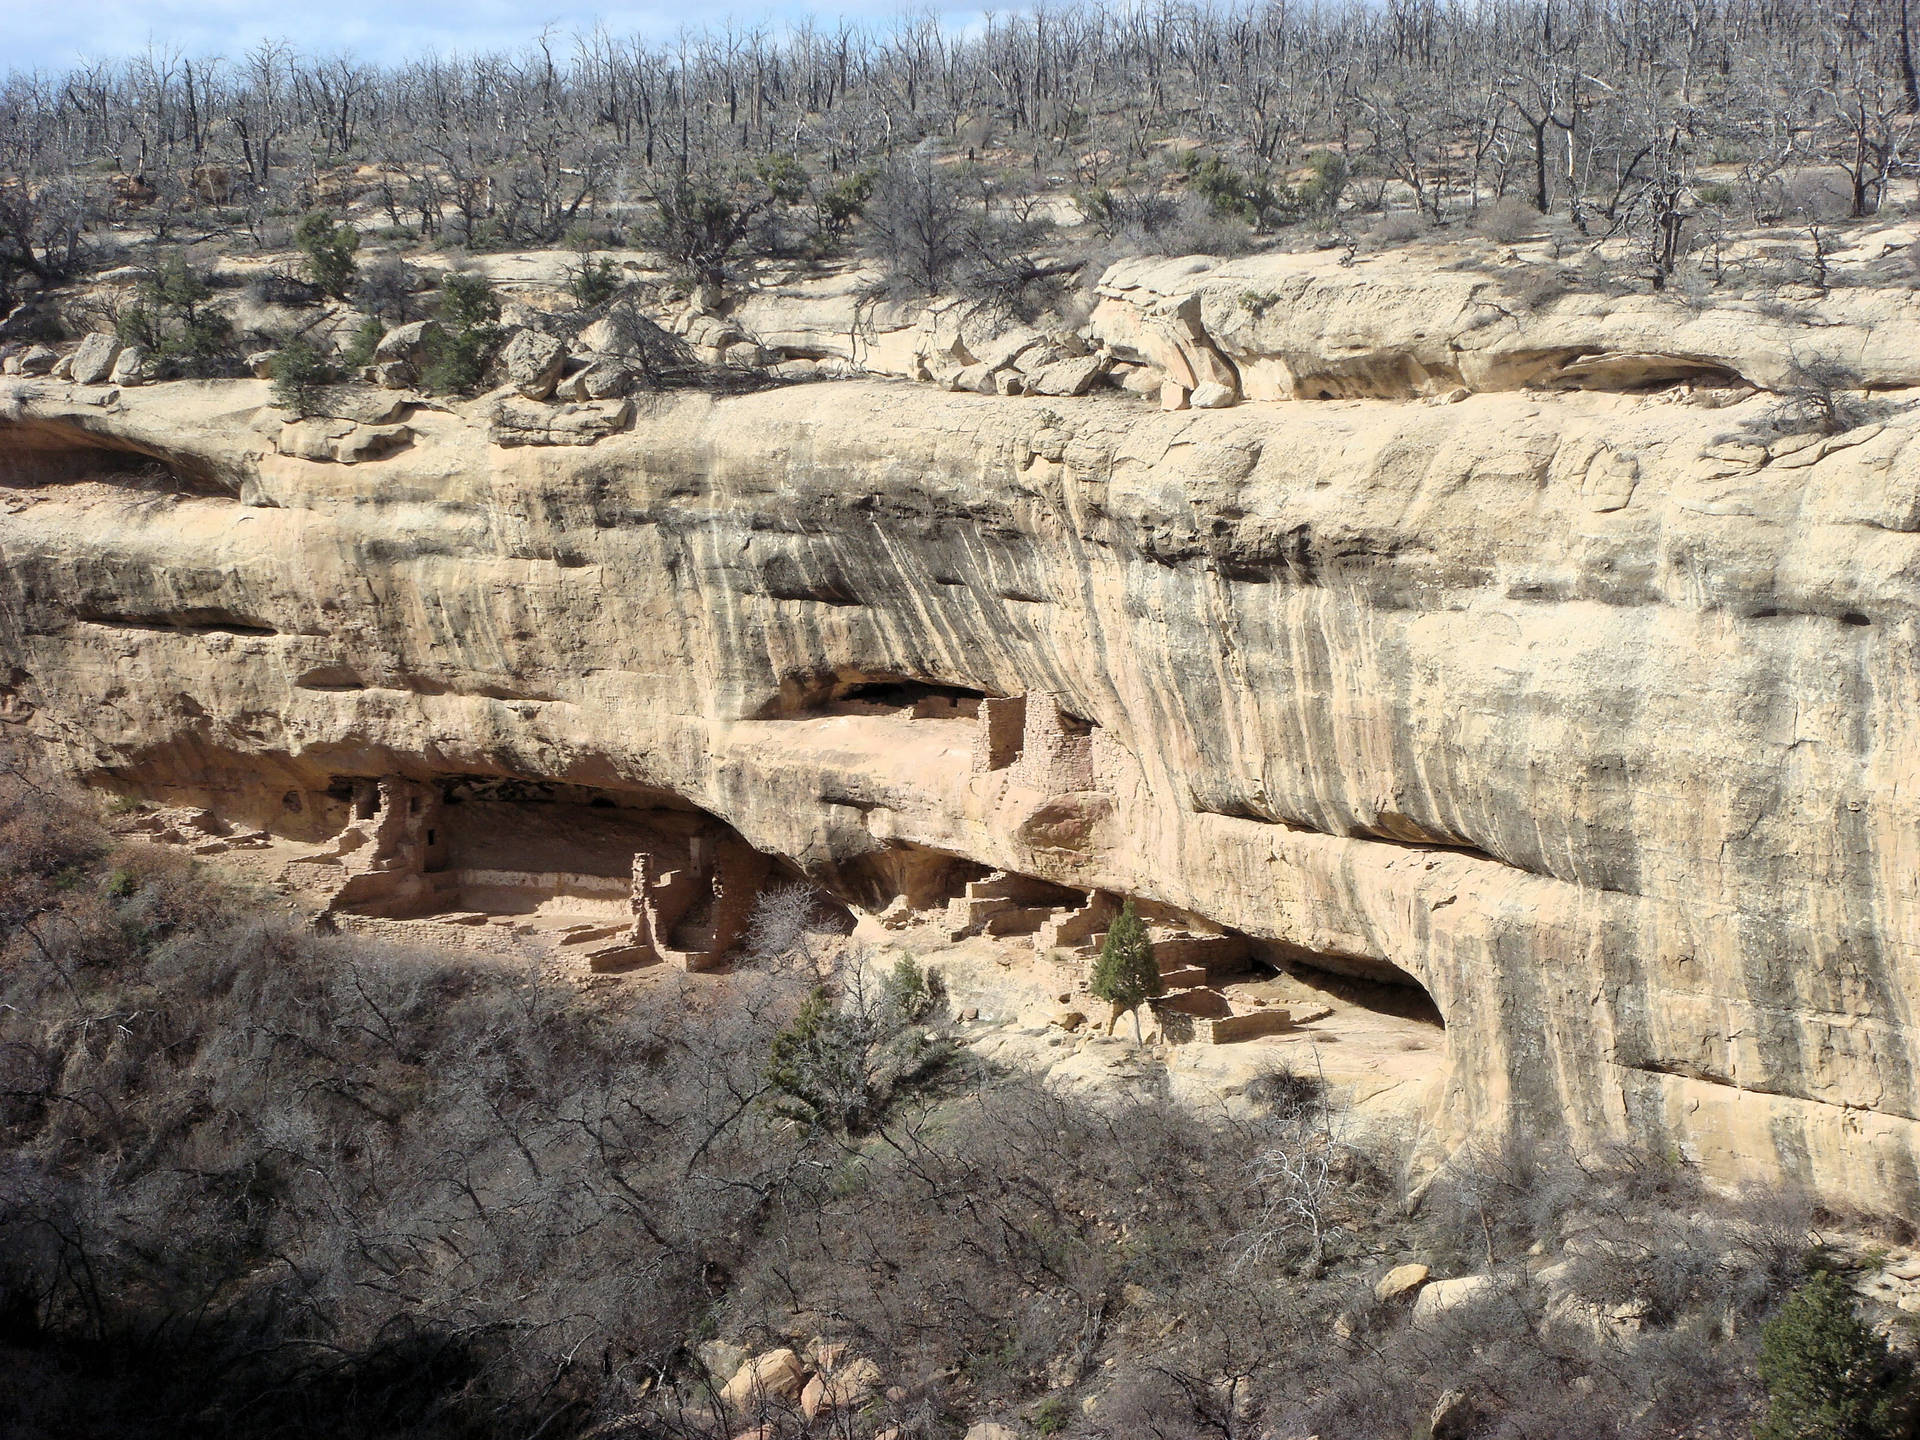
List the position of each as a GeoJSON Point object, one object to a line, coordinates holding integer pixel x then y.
{"type": "Point", "coordinates": [55, 33]}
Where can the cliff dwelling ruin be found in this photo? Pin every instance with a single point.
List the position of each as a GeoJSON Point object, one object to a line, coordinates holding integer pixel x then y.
{"type": "Point", "coordinates": [1501, 702]}
{"type": "Point", "coordinates": [609, 882]}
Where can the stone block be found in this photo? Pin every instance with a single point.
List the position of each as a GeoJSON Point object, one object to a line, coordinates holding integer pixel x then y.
{"type": "Point", "coordinates": [93, 361]}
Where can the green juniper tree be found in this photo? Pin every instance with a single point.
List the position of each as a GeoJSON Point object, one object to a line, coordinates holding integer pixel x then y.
{"type": "Point", "coordinates": [329, 250]}
{"type": "Point", "coordinates": [173, 319]}
{"type": "Point", "coordinates": [301, 374]}
{"type": "Point", "coordinates": [458, 352]}
{"type": "Point", "coordinates": [1828, 1375]}
{"type": "Point", "coordinates": [1126, 975]}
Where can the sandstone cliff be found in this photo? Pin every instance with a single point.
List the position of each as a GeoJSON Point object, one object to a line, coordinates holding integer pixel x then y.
{"type": "Point", "coordinates": [1595, 714]}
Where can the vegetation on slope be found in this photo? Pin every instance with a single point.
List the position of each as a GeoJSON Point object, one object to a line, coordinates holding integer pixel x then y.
{"type": "Point", "coordinates": [1175, 127]}
{"type": "Point", "coordinates": [258, 1181]}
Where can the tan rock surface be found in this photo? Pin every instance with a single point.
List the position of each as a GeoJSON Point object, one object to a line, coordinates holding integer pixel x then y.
{"type": "Point", "coordinates": [1596, 715]}
{"type": "Point", "coordinates": [1308, 327]}
{"type": "Point", "coordinates": [1400, 1282]}
{"type": "Point", "coordinates": [776, 1375]}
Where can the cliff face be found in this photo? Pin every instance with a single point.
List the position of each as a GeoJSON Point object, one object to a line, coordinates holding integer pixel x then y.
{"type": "Point", "coordinates": [1596, 715]}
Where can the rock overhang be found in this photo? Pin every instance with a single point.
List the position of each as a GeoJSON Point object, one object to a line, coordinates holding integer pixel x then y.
{"type": "Point", "coordinates": [1589, 714]}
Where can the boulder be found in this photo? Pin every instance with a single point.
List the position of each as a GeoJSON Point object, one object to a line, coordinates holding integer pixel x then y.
{"type": "Point", "coordinates": [602, 380]}
{"type": "Point", "coordinates": [1069, 1019]}
{"type": "Point", "coordinates": [1067, 377]}
{"type": "Point", "coordinates": [1440, 1296]}
{"type": "Point", "coordinates": [311, 439]}
{"type": "Point", "coordinates": [1174, 395]}
{"type": "Point", "coordinates": [10, 365]}
{"type": "Point", "coordinates": [602, 337]}
{"type": "Point", "coordinates": [1004, 349]}
{"type": "Point", "coordinates": [130, 366]}
{"type": "Point", "coordinates": [778, 1374]}
{"type": "Point", "coordinates": [391, 374]}
{"type": "Point", "coordinates": [1212, 395]}
{"type": "Point", "coordinates": [534, 363]}
{"type": "Point", "coordinates": [93, 361]}
{"type": "Point", "coordinates": [990, 1430]}
{"type": "Point", "coordinates": [1038, 356]}
{"type": "Point", "coordinates": [63, 368]}
{"type": "Point", "coordinates": [1400, 1282]}
{"type": "Point", "coordinates": [341, 442]}
{"type": "Point", "coordinates": [515, 421]}
{"type": "Point", "coordinates": [260, 364]}
{"type": "Point", "coordinates": [711, 332]}
{"type": "Point", "coordinates": [38, 361]}
{"type": "Point", "coordinates": [363, 406]}
{"type": "Point", "coordinates": [975, 378]}
{"type": "Point", "coordinates": [1009, 382]}
{"type": "Point", "coordinates": [407, 342]}
{"type": "Point", "coordinates": [1141, 380]}
{"type": "Point", "coordinates": [722, 1359]}
{"type": "Point", "coordinates": [844, 1388]}
{"type": "Point", "coordinates": [606, 380]}
{"type": "Point", "coordinates": [813, 1398]}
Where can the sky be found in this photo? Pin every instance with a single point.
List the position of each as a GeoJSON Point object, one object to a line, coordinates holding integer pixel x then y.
{"type": "Point", "coordinates": [54, 34]}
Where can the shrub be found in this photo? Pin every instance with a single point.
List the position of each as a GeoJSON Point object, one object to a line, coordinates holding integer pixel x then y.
{"type": "Point", "coordinates": [1828, 1375]}
{"type": "Point", "coordinates": [1508, 220]}
{"type": "Point", "coordinates": [838, 1064]}
{"type": "Point", "coordinates": [1322, 190]}
{"type": "Point", "coordinates": [329, 250]}
{"type": "Point", "coordinates": [280, 286]}
{"type": "Point", "coordinates": [469, 314]}
{"type": "Point", "coordinates": [592, 280]}
{"type": "Point", "coordinates": [1823, 396]}
{"type": "Point", "coordinates": [386, 290]}
{"type": "Point", "coordinates": [843, 203]}
{"type": "Point", "coordinates": [301, 375]}
{"type": "Point", "coordinates": [909, 991]}
{"type": "Point", "coordinates": [702, 228]}
{"type": "Point", "coordinates": [1220, 185]}
{"type": "Point", "coordinates": [1397, 227]}
{"type": "Point", "coordinates": [783, 177]}
{"type": "Point", "coordinates": [173, 318]}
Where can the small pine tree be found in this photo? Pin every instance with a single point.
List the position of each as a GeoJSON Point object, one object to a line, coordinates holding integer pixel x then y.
{"type": "Point", "coordinates": [469, 313]}
{"type": "Point", "coordinates": [1126, 975]}
{"type": "Point", "coordinates": [301, 374]}
{"type": "Point", "coordinates": [1828, 1375]}
{"type": "Point", "coordinates": [173, 319]}
{"type": "Point", "coordinates": [329, 250]}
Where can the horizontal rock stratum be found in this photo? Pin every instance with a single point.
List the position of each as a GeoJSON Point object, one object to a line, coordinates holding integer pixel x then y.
{"type": "Point", "coordinates": [1596, 714]}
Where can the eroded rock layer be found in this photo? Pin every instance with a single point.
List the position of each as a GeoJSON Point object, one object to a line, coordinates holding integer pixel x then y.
{"type": "Point", "coordinates": [1599, 716]}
